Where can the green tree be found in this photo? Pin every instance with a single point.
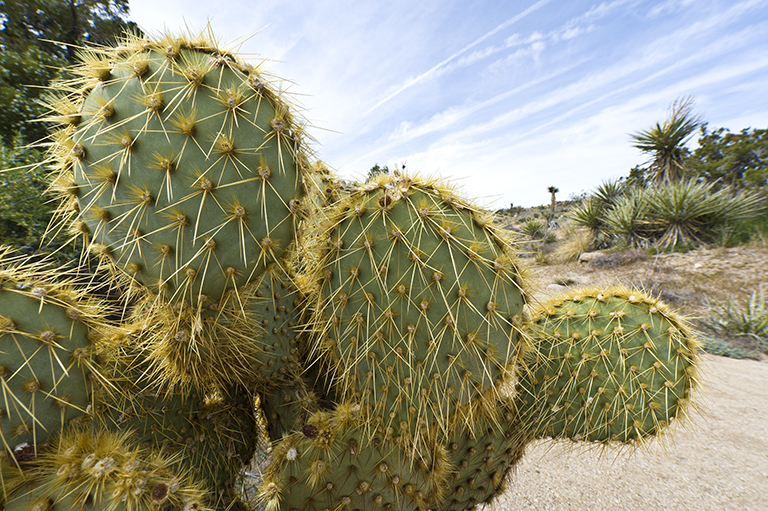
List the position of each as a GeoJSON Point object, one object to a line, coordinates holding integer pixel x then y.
{"type": "Point", "coordinates": [70, 23]}
{"type": "Point", "coordinates": [30, 59]}
{"type": "Point", "coordinates": [665, 142]}
{"type": "Point", "coordinates": [375, 170]}
{"type": "Point", "coordinates": [23, 78]}
{"type": "Point", "coordinates": [731, 159]}
{"type": "Point", "coordinates": [24, 215]}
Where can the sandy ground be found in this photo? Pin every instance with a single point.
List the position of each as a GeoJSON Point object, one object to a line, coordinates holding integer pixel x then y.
{"type": "Point", "coordinates": [718, 461]}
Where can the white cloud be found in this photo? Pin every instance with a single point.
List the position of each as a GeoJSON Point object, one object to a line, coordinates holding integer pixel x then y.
{"type": "Point", "coordinates": [427, 74]}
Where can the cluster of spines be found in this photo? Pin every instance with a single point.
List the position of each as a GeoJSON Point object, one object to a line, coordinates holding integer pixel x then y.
{"type": "Point", "coordinates": [608, 365]}
{"type": "Point", "coordinates": [210, 345]}
{"type": "Point", "coordinates": [85, 470]}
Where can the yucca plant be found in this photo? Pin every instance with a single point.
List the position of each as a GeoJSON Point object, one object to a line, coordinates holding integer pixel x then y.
{"type": "Point", "coordinates": [589, 215]}
{"type": "Point", "coordinates": [666, 141]}
{"type": "Point", "coordinates": [534, 228]}
{"type": "Point", "coordinates": [689, 212]}
{"type": "Point", "coordinates": [610, 191]}
{"type": "Point", "coordinates": [627, 219]}
{"type": "Point", "coordinates": [590, 212]}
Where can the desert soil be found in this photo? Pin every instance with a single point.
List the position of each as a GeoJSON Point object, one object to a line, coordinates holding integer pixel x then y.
{"type": "Point", "coordinates": [718, 460]}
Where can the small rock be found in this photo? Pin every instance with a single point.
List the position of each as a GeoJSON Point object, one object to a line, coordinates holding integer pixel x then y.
{"type": "Point", "coordinates": [555, 288]}
{"type": "Point", "coordinates": [590, 257]}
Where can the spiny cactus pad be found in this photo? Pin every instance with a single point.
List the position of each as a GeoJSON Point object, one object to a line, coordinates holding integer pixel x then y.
{"type": "Point", "coordinates": [275, 306]}
{"type": "Point", "coordinates": [96, 471]}
{"type": "Point", "coordinates": [212, 434]}
{"type": "Point", "coordinates": [336, 462]}
{"type": "Point", "coordinates": [483, 454]}
{"type": "Point", "coordinates": [607, 365]}
{"type": "Point", "coordinates": [48, 370]}
{"type": "Point", "coordinates": [420, 302]}
{"type": "Point", "coordinates": [211, 345]}
{"type": "Point", "coordinates": [184, 164]}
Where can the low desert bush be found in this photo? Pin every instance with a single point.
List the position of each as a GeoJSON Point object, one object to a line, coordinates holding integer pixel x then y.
{"type": "Point", "coordinates": [746, 322]}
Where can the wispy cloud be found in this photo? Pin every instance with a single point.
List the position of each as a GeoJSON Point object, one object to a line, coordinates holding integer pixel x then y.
{"type": "Point", "coordinates": [425, 75]}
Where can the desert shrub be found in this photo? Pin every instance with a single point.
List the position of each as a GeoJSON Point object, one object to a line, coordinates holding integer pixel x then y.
{"type": "Point", "coordinates": [575, 242]}
{"type": "Point", "coordinates": [746, 321]}
{"type": "Point", "coordinates": [627, 219]}
{"type": "Point", "coordinates": [723, 348]}
{"type": "Point", "coordinates": [534, 228]}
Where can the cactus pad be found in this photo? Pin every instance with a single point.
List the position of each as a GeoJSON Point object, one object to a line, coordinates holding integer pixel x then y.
{"type": "Point", "coordinates": [183, 165]}
{"type": "Point", "coordinates": [420, 302]}
{"type": "Point", "coordinates": [608, 365]}
{"type": "Point", "coordinates": [94, 471]}
{"type": "Point", "coordinates": [335, 462]}
{"type": "Point", "coordinates": [48, 369]}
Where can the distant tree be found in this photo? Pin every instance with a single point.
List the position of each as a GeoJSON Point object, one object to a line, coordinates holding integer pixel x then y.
{"type": "Point", "coordinates": [30, 59]}
{"type": "Point", "coordinates": [638, 177]}
{"type": "Point", "coordinates": [60, 27]}
{"type": "Point", "coordinates": [665, 142]}
{"type": "Point", "coordinates": [24, 216]}
{"type": "Point", "coordinates": [731, 159]}
{"type": "Point", "coordinates": [376, 170]}
{"type": "Point", "coordinates": [552, 190]}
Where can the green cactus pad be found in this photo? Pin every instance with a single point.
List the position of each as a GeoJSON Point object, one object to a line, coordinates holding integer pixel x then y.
{"type": "Point", "coordinates": [95, 471]}
{"type": "Point", "coordinates": [419, 302]}
{"type": "Point", "coordinates": [607, 365]}
{"type": "Point", "coordinates": [183, 164]}
{"type": "Point", "coordinates": [336, 462]}
{"type": "Point", "coordinates": [48, 369]}
{"type": "Point", "coordinates": [275, 305]}
{"type": "Point", "coordinates": [213, 434]}
{"type": "Point", "coordinates": [483, 455]}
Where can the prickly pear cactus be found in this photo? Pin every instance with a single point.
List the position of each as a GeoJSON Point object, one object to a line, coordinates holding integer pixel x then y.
{"type": "Point", "coordinates": [181, 164]}
{"type": "Point", "coordinates": [212, 434]}
{"type": "Point", "coordinates": [88, 471]}
{"type": "Point", "coordinates": [48, 366]}
{"type": "Point", "coordinates": [337, 461]}
{"type": "Point", "coordinates": [607, 365]}
{"type": "Point", "coordinates": [419, 303]}
{"type": "Point", "coordinates": [382, 326]}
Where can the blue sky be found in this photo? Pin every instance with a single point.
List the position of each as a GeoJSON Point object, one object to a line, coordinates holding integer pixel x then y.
{"type": "Point", "coordinates": [505, 98]}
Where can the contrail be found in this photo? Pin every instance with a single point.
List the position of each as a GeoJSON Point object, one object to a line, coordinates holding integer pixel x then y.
{"type": "Point", "coordinates": [514, 19]}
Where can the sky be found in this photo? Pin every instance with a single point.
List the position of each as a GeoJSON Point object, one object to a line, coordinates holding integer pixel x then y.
{"type": "Point", "coordinates": [503, 98]}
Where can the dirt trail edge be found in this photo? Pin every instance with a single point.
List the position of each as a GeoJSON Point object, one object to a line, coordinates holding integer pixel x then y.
{"type": "Point", "coordinates": [717, 461]}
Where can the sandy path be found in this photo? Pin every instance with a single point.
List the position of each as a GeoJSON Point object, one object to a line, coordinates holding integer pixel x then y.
{"type": "Point", "coordinates": [718, 462]}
